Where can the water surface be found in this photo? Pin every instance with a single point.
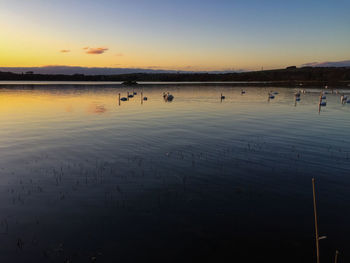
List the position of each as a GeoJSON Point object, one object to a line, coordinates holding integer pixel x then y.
{"type": "Point", "coordinates": [84, 177]}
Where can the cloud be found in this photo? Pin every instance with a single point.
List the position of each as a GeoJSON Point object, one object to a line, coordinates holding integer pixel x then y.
{"type": "Point", "coordinates": [344, 63]}
{"type": "Point", "coordinates": [95, 51]}
{"type": "Point", "coordinates": [119, 54]}
{"type": "Point", "coordinates": [65, 51]}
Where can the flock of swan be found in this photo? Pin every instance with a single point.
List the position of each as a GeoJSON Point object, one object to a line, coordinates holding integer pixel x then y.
{"type": "Point", "coordinates": [322, 99]}
{"type": "Point", "coordinates": [131, 95]}
{"type": "Point", "coordinates": [166, 96]}
{"type": "Point", "coordinates": [271, 95]}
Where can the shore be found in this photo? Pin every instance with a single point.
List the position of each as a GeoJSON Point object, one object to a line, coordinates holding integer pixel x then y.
{"type": "Point", "coordinates": [289, 77]}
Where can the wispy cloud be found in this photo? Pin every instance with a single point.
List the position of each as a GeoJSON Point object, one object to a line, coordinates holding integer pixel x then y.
{"type": "Point", "coordinates": [95, 51]}
{"type": "Point", "coordinates": [65, 51]}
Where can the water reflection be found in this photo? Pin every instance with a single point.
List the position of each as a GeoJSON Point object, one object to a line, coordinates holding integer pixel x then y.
{"type": "Point", "coordinates": [96, 109]}
{"type": "Point", "coordinates": [85, 177]}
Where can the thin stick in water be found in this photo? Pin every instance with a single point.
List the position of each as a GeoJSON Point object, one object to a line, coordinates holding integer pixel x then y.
{"type": "Point", "coordinates": [316, 225]}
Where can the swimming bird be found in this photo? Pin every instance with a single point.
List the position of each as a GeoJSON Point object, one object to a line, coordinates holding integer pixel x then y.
{"type": "Point", "coordinates": [242, 91]}
{"type": "Point", "coordinates": [168, 96]}
{"type": "Point", "coordinates": [343, 98]}
{"type": "Point", "coordinates": [123, 99]}
{"type": "Point", "coordinates": [145, 98]}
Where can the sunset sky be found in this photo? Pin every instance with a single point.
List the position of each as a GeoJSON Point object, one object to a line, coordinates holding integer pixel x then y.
{"type": "Point", "coordinates": [168, 34]}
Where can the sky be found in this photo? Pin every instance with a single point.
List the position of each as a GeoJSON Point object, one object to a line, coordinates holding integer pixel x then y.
{"type": "Point", "coordinates": [175, 35]}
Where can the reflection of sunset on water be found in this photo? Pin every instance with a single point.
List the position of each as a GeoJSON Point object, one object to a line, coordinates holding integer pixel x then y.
{"type": "Point", "coordinates": [75, 152]}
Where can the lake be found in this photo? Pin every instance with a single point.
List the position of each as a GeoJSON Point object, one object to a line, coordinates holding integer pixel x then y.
{"type": "Point", "coordinates": [86, 178]}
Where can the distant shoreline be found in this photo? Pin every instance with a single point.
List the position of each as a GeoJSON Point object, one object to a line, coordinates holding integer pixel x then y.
{"type": "Point", "coordinates": [289, 77]}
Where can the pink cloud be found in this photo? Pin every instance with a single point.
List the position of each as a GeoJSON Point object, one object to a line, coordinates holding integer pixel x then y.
{"type": "Point", "coordinates": [95, 51]}
{"type": "Point", "coordinates": [65, 51]}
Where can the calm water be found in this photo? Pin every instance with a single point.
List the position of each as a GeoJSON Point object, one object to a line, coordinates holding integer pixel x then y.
{"type": "Point", "coordinates": [85, 179]}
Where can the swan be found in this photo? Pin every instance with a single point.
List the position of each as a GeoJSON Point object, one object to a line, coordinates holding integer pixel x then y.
{"type": "Point", "coordinates": [343, 98]}
{"type": "Point", "coordinates": [168, 96]}
{"type": "Point", "coordinates": [123, 98]}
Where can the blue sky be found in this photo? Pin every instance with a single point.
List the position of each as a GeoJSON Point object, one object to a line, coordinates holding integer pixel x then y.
{"type": "Point", "coordinates": [175, 34]}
